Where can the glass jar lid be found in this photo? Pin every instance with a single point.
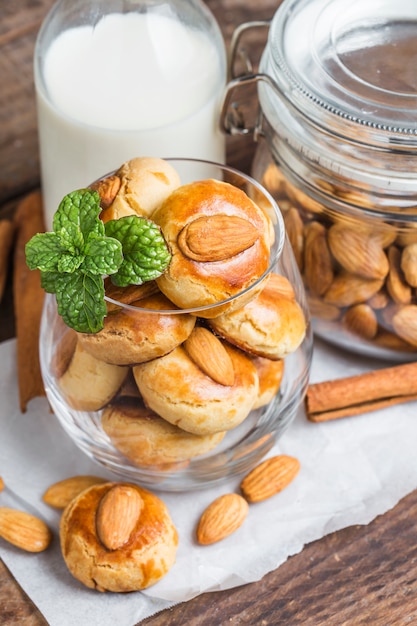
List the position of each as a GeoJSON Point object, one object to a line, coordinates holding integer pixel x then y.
{"type": "Point", "coordinates": [350, 62]}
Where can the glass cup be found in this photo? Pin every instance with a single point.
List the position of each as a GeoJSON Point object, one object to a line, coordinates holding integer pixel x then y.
{"type": "Point", "coordinates": [118, 80]}
{"type": "Point", "coordinates": [114, 413]}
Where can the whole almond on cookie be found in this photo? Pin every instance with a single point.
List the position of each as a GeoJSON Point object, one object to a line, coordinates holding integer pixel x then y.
{"type": "Point", "coordinates": [117, 515]}
{"type": "Point", "coordinates": [107, 189]}
{"type": "Point", "coordinates": [209, 354]}
{"type": "Point", "coordinates": [269, 477]}
{"type": "Point", "coordinates": [24, 530]}
{"type": "Point", "coordinates": [221, 518]}
{"type": "Point", "coordinates": [216, 237]}
{"type": "Point", "coordinates": [62, 492]}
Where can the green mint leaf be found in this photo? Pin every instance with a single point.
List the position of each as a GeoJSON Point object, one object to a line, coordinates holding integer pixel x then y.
{"type": "Point", "coordinates": [43, 252]}
{"type": "Point", "coordinates": [82, 250]}
{"type": "Point", "coordinates": [48, 281]}
{"type": "Point", "coordinates": [69, 263]}
{"type": "Point", "coordinates": [103, 256]}
{"type": "Point", "coordinates": [145, 252]}
{"type": "Point", "coordinates": [77, 217]}
{"type": "Point", "coordinates": [80, 300]}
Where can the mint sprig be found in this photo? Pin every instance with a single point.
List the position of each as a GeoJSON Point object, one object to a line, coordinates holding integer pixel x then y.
{"type": "Point", "coordinates": [145, 253]}
{"type": "Point", "coordinates": [81, 251]}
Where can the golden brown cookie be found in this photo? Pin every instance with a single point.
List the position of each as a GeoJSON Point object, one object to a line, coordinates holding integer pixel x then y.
{"type": "Point", "coordinates": [133, 336]}
{"type": "Point", "coordinates": [147, 439]}
{"type": "Point", "coordinates": [88, 383]}
{"type": "Point", "coordinates": [118, 537]}
{"type": "Point", "coordinates": [270, 375]}
{"type": "Point", "coordinates": [145, 182]}
{"type": "Point", "coordinates": [271, 325]}
{"type": "Point", "coordinates": [182, 392]}
{"type": "Point", "coordinates": [219, 240]}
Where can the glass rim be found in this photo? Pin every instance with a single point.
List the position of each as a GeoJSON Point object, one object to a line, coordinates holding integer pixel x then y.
{"type": "Point", "coordinates": [337, 92]}
{"type": "Point", "coordinates": [275, 253]}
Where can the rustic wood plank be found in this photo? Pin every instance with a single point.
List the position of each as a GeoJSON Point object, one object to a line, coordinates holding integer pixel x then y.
{"type": "Point", "coordinates": [19, 162]}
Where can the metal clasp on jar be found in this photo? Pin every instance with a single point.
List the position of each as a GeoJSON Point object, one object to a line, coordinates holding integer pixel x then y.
{"type": "Point", "coordinates": [233, 120]}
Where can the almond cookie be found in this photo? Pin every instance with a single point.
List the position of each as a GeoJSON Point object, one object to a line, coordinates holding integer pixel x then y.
{"type": "Point", "coordinates": [147, 439]}
{"type": "Point", "coordinates": [219, 240]}
{"type": "Point", "coordinates": [180, 391]}
{"type": "Point", "coordinates": [118, 537]}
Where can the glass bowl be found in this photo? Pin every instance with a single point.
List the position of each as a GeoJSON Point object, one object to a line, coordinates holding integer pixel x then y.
{"type": "Point", "coordinates": [105, 420]}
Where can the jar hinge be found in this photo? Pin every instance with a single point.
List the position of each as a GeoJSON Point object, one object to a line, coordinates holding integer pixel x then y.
{"type": "Point", "coordinates": [232, 118]}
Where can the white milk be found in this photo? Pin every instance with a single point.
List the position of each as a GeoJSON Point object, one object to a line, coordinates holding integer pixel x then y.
{"type": "Point", "coordinates": [135, 85]}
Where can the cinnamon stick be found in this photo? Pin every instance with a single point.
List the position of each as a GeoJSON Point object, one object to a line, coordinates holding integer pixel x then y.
{"type": "Point", "coordinates": [28, 298]}
{"type": "Point", "coordinates": [362, 393]}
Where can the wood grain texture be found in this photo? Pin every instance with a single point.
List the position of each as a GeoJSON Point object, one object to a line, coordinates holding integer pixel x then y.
{"type": "Point", "coordinates": [359, 576]}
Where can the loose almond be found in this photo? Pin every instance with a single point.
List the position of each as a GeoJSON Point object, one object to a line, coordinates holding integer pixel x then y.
{"type": "Point", "coordinates": [117, 515]}
{"type": "Point", "coordinates": [404, 322]}
{"type": "Point", "coordinates": [318, 264]}
{"type": "Point", "coordinates": [323, 310]}
{"type": "Point", "coordinates": [358, 251]}
{"type": "Point", "coordinates": [409, 264]}
{"type": "Point", "coordinates": [269, 477]}
{"type": "Point", "coordinates": [348, 289]}
{"type": "Point", "coordinates": [397, 287]}
{"type": "Point", "coordinates": [221, 518]}
{"type": "Point", "coordinates": [1, 484]}
{"type": "Point", "coordinates": [295, 231]}
{"type": "Point", "coordinates": [24, 530]}
{"type": "Point", "coordinates": [361, 320]}
{"type": "Point", "coordinates": [61, 493]}
{"type": "Point", "coordinates": [379, 300]}
{"type": "Point", "coordinates": [210, 355]}
{"type": "Point", "coordinates": [216, 237]}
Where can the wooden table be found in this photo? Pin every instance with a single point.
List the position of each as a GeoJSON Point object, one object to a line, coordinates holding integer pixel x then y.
{"type": "Point", "coordinates": [362, 575]}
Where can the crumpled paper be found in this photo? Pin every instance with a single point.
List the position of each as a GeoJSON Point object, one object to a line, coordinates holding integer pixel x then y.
{"type": "Point", "coordinates": [352, 470]}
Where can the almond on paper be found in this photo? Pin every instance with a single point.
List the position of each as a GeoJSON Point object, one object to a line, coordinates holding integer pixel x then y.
{"type": "Point", "coordinates": [62, 492]}
{"type": "Point", "coordinates": [24, 530]}
{"type": "Point", "coordinates": [221, 518]}
{"type": "Point", "coordinates": [117, 515]}
{"type": "Point", "coordinates": [269, 477]}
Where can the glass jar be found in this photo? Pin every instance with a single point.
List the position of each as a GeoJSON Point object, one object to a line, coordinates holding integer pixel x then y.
{"type": "Point", "coordinates": [337, 93]}
{"type": "Point", "coordinates": [144, 409]}
{"type": "Point", "coordinates": [116, 80]}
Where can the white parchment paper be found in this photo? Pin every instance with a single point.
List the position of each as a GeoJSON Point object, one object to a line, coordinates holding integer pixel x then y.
{"type": "Point", "coordinates": [351, 470]}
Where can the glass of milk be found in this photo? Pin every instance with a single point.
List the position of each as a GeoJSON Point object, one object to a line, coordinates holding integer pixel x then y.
{"type": "Point", "coordinates": [119, 79]}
